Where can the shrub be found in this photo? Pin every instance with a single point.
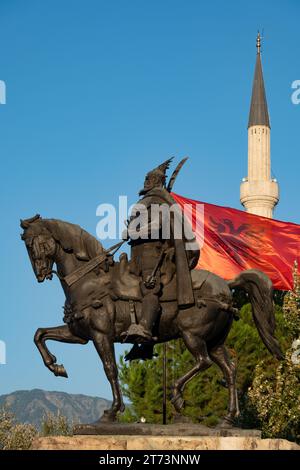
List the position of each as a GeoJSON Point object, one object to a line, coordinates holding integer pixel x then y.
{"type": "Point", "coordinates": [15, 436]}
{"type": "Point", "coordinates": [56, 425]}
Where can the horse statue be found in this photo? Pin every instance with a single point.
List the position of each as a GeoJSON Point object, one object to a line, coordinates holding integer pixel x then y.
{"type": "Point", "coordinates": [103, 299]}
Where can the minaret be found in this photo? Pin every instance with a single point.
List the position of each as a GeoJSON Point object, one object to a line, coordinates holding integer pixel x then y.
{"type": "Point", "coordinates": [259, 193]}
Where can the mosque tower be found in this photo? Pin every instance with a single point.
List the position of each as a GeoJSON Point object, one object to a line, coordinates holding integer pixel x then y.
{"type": "Point", "coordinates": [259, 192]}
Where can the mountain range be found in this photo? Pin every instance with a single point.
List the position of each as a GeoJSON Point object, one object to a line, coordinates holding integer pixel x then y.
{"type": "Point", "coordinates": [30, 406]}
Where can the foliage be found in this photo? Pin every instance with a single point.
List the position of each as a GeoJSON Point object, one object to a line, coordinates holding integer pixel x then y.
{"type": "Point", "coordinates": [141, 383]}
{"type": "Point", "coordinates": [19, 436]}
{"type": "Point", "coordinates": [275, 391]}
{"type": "Point", "coordinates": [205, 396]}
{"type": "Point", "coordinates": [15, 436]}
{"type": "Point", "coordinates": [56, 425]}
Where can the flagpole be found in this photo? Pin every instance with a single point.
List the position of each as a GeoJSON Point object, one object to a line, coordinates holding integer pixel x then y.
{"type": "Point", "coordinates": [164, 383]}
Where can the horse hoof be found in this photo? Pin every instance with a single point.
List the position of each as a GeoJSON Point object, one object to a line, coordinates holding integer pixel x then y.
{"type": "Point", "coordinates": [108, 417]}
{"type": "Point", "coordinates": [226, 423]}
{"type": "Point", "coordinates": [60, 371]}
{"type": "Point", "coordinates": [178, 403]}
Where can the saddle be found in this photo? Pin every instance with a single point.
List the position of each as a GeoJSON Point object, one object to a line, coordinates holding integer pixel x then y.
{"type": "Point", "coordinates": [126, 286]}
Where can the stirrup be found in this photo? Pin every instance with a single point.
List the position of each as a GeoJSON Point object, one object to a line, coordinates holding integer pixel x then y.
{"type": "Point", "coordinates": [136, 334]}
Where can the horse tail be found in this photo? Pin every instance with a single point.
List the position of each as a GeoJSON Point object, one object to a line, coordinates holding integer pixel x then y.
{"type": "Point", "coordinates": [260, 290]}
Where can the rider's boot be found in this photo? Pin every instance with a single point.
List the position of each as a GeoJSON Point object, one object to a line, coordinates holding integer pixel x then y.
{"type": "Point", "coordinates": [142, 332]}
{"type": "Point", "coordinates": [142, 351]}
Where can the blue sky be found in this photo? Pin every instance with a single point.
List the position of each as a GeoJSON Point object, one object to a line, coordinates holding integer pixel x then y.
{"type": "Point", "coordinates": [100, 92]}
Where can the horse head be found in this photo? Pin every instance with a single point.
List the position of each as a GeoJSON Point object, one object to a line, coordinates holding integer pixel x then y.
{"type": "Point", "coordinates": [41, 246]}
{"type": "Point", "coordinates": [43, 237]}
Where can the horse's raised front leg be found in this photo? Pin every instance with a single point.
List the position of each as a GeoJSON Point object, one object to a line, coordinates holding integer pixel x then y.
{"type": "Point", "coordinates": [105, 348]}
{"type": "Point", "coordinates": [57, 333]}
{"type": "Point", "coordinates": [221, 357]}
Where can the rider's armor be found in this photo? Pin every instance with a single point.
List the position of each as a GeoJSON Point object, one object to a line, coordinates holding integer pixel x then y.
{"type": "Point", "coordinates": [148, 254]}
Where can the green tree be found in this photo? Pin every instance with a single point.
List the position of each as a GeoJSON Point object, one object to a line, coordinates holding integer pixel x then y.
{"type": "Point", "coordinates": [205, 396]}
{"type": "Point", "coordinates": [275, 391]}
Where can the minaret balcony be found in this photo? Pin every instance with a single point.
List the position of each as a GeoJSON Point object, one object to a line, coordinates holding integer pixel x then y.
{"type": "Point", "coordinates": [256, 191]}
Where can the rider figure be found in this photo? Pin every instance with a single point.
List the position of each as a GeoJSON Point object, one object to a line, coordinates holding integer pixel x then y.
{"type": "Point", "coordinates": [149, 245]}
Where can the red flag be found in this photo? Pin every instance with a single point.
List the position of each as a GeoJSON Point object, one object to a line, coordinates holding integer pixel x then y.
{"type": "Point", "coordinates": [233, 241]}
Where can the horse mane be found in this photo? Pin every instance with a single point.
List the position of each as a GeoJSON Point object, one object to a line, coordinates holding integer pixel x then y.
{"type": "Point", "coordinates": [73, 238]}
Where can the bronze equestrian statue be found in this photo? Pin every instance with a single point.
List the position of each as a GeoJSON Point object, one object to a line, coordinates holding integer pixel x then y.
{"type": "Point", "coordinates": [141, 301]}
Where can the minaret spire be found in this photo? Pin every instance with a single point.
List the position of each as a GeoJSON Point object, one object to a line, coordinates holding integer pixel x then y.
{"type": "Point", "coordinates": [259, 114]}
{"type": "Point", "coordinates": [259, 192]}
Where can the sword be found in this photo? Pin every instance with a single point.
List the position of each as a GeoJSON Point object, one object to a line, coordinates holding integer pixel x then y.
{"type": "Point", "coordinates": [175, 173]}
{"type": "Point", "coordinates": [151, 280]}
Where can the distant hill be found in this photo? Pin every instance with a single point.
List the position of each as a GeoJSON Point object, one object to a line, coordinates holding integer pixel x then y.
{"type": "Point", "coordinates": [30, 406]}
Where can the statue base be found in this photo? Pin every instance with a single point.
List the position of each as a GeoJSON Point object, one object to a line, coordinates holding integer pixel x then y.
{"type": "Point", "coordinates": [177, 429]}
{"type": "Point", "coordinates": [161, 443]}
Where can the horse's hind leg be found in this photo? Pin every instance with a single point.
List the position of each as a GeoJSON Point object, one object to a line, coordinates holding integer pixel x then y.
{"type": "Point", "coordinates": [221, 357]}
{"type": "Point", "coordinates": [197, 347]}
{"type": "Point", "coordinates": [57, 333]}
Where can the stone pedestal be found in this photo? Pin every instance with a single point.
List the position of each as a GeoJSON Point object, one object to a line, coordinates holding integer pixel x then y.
{"type": "Point", "coordinates": [179, 436]}
{"type": "Point", "coordinates": [133, 442]}
{"type": "Point", "coordinates": [182, 429]}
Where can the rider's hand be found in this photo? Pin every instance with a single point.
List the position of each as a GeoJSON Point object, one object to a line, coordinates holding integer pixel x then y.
{"type": "Point", "coordinates": [150, 282]}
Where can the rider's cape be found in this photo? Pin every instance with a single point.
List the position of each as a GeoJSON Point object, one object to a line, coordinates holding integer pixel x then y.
{"type": "Point", "coordinates": [185, 259]}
